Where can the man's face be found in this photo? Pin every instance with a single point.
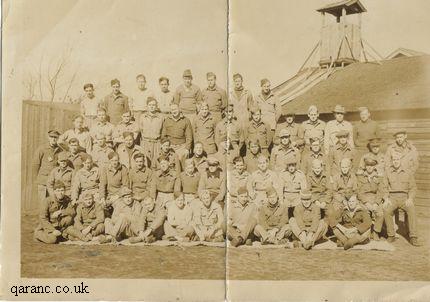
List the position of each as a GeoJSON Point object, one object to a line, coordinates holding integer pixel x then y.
{"type": "Point", "coordinates": [338, 116]}
{"type": "Point", "coordinates": [89, 91]}
{"type": "Point", "coordinates": [129, 141]}
{"type": "Point", "coordinates": [164, 165]}
{"type": "Point", "coordinates": [126, 117]}
{"type": "Point", "coordinates": [139, 163]}
{"type": "Point", "coordinates": [78, 123]}
{"type": "Point", "coordinates": [164, 86]}
{"type": "Point", "coordinates": [62, 164]}
{"type": "Point", "coordinates": [211, 82]}
{"type": "Point", "coordinates": [285, 140]}
{"type": "Point", "coordinates": [266, 87]}
{"type": "Point", "coordinates": [370, 169]}
{"type": "Point", "coordinates": [400, 138]}
{"type": "Point", "coordinates": [291, 168]}
{"type": "Point", "coordinates": [262, 164]}
{"type": "Point", "coordinates": [315, 147]}
{"type": "Point", "coordinates": [148, 204]}
{"type": "Point", "coordinates": [59, 193]}
{"type": "Point", "coordinates": [375, 149]}
{"type": "Point", "coordinates": [88, 164]}
{"type": "Point", "coordinates": [344, 167]}
{"type": "Point", "coordinates": [317, 168]}
{"type": "Point", "coordinates": [243, 199]}
{"type": "Point", "coordinates": [88, 201]}
{"type": "Point", "coordinates": [352, 202]}
{"type": "Point", "coordinates": [101, 141]}
{"type": "Point", "coordinates": [313, 116]}
{"type": "Point", "coordinates": [180, 203]}
{"type": "Point", "coordinates": [364, 115]}
{"type": "Point", "coordinates": [189, 168]}
{"type": "Point", "coordinates": [128, 199]}
{"type": "Point", "coordinates": [239, 167]}
{"type": "Point", "coordinates": [254, 148]}
{"type": "Point", "coordinates": [114, 162]}
{"type": "Point", "coordinates": [212, 168]}
{"type": "Point", "coordinates": [198, 149]}
{"type": "Point", "coordinates": [343, 140]}
{"type": "Point", "coordinates": [396, 162]}
{"type": "Point", "coordinates": [141, 83]}
{"type": "Point", "coordinates": [74, 148]}
{"type": "Point", "coordinates": [174, 110]}
{"type": "Point", "coordinates": [101, 116]}
{"type": "Point", "coordinates": [238, 82]}
{"type": "Point", "coordinates": [204, 111]}
{"type": "Point", "coordinates": [152, 106]}
{"type": "Point", "coordinates": [115, 88]}
{"type": "Point", "coordinates": [290, 119]}
{"type": "Point", "coordinates": [206, 199]}
{"type": "Point", "coordinates": [272, 199]}
{"type": "Point", "coordinates": [187, 81]}
{"type": "Point", "coordinates": [165, 147]}
{"type": "Point", "coordinates": [256, 116]}
{"type": "Point", "coordinates": [52, 140]}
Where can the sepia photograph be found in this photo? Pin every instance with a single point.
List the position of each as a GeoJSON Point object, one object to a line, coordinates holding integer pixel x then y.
{"type": "Point", "coordinates": [216, 150]}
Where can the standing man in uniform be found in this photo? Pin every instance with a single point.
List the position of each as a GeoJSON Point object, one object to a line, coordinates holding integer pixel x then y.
{"type": "Point", "coordinates": [164, 97]}
{"type": "Point", "coordinates": [89, 105]}
{"type": "Point", "coordinates": [241, 99]}
{"type": "Point", "coordinates": [269, 104]}
{"type": "Point", "coordinates": [408, 153]}
{"type": "Point", "coordinates": [286, 121]}
{"type": "Point", "coordinates": [364, 130]}
{"type": "Point", "coordinates": [150, 125]}
{"type": "Point", "coordinates": [115, 103]}
{"type": "Point", "coordinates": [342, 149]}
{"type": "Point", "coordinates": [188, 96]}
{"type": "Point", "coordinates": [313, 127]}
{"type": "Point", "coordinates": [336, 125]}
{"type": "Point", "coordinates": [204, 129]}
{"type": "Point", "coordinates": [282, 152]}
{"type": "Point", "coordinates": [215, 97]}
{"type": "Point", "coordinates": [139, 98]}
{"type": "Point", "coordinates": [257, 129]}
{"type": "Point", "coordinates": [231, 128]}
{"type": "Point", "coordinates": [44, 161]}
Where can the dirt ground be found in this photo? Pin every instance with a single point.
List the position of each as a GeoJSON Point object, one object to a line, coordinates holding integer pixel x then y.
{"type": "Point", "coordinates": [66, 261]}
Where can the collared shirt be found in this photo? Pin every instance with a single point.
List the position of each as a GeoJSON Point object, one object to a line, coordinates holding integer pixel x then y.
{"type": "Point", "coordinates": [208, 217]}
{"type": "Point", "coordinates": [319, 185]}
{"type": "Point", "coordinates": [261, 181]}
{"type": "Point", "coordinates": [76, 160]}
{"type": "Point", "coordinates": [308, 157]}
{"type": "Point", "coordinates": [214, 182]}
{"type": "Point", "coordinates": [111, 180]}
{"type": "Point", "coordinates": [335, 156]}
{"type": "Point", "coordinates": [150, 125]}
{"type": "Point", "coordinates": [408, 155]}
{"type": "Point", "coordinates": [363, 131]}
{"type": "Point", "coordinates": [204, 132]}
{"type": "Point", "coordinates": [242, 101]}
{"type": "Point", "coordinates": [343, 185]}
{"type": "Point", "coordinates": [104, 128]}
{"type": "Point", "coordinates": [85, 180]}
{"type": "Point", "coordinates": [179, 216]}
{"type": "Point", "coordinates": [231, 129]}
{"type": "Point", "coordinates": [115, 106]}
{"type": "Point", "coordinates": [307, 218]}
{"type": "Point", "coordinates": [293, 182]}
{"type": "Point", "coordinates": [293, 130]}
{"type": "Point", "coordinates": [65, 176]}
{"type": "Point", "coordinates": [83, 136]}
{"type": "Point", "coordinates": [270, 109]}
{"type": "Point", "coordinates": [258, 131]}
{"type": "Point", "coordinates": [332, 128]}
{"type": "Point", "coordinates": [178, 131]}
{"type": "Point", "coordinates": [89, 106]}
{"type": "Point", "coordinates": [188, 98]}
{"type": "Point", "coordinates": [200, 163]}
{"type": "Point", "coordinates": [49, 206]}
{"type": "Point", "coordinates": [92, 215]}
{"type": "Point", "coordinates": [400, 181]}
{"type": "Point", "coordinates": [44, 161]}
{"type": "Point", "coordinates": [309, 129]}
{"type": "Point", "coordinates": [370, 187]}
{"type": "Point", "coordinates": [100, 155]}
{"type": "Point", "coordinates": [140, 182]}
{"type": "Point", "coordinates": [138, 99]}
{"type": "Point", "coordinates": [281, 154]}
{"type": "Point", "coordinates": [188, 183]}
{"type": "Point", "coordinates": [122, 127]}
{"type": "Point", "coordinates": [236, 181]}
{"type": "Point", "coordinates": [164, 182]}
{"type": "Point", "coordinates": [216, 98]}
{"type": "Point", "coordinates": [270, 217]}
{"type": "Point", "coordinates": [164, 100]}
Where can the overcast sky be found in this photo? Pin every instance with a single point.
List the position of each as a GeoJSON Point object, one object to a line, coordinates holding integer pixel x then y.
{"type": "Point", "coordinates": [269, 38]}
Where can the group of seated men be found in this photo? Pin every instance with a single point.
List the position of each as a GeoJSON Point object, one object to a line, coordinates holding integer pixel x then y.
{"type": "Point", "coordinates": [219, 172]}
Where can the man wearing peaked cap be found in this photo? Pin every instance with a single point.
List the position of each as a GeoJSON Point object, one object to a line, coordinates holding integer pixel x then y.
{"type": "Point", "coordinates": [336, 125]}
{"type": "Point", "coordinates": [293, 181]}
{"type": "Point", "coordinates": [340, 150]}
{"type": "Point", "coordinates": [188, 96]}
{"type": "Point", "coordinates": [115, 103]}
{"type": "Point", "coordinates": [307, 225]}
{"type": "Point", "coordinates": [213, 180]}
{"type": "Point", "coordinates": [406, 149]}
{"type": "Point", "coordinates": [374, 152]}
{"type": "Point", "coordinates": [286, 122]}
{"type": "Point", "coordinates": [63, 173]}
{"type": "Point", "coordinates": [284, 151]}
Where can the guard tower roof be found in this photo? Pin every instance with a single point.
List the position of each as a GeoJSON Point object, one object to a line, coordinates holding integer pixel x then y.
{"type": "Point", "coordinates": [350, 6]}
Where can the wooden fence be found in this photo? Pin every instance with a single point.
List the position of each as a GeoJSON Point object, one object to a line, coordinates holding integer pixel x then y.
{"type": "Point", "coordinates": [37, 119]}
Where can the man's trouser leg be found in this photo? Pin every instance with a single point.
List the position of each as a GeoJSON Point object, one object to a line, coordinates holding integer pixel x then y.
{"type": "Point", "coordinates": [180, 151]}
{"type": "Point", "coordinates": [260, 232]}
{"type": "Point", "coordinates": [99, 230]}
{"type": "Point", "coordinates": [164, 199]}
{"type": "Point", "coordinates": [397, 199]}
{"type": "Point", "coordinates": [321, 231]}
{"type": "Point", "coordinates": [120, 226]}
{"type": "Point", "coordinates": [185, 231]}
{"type": "Point", "coordinates": [359, 238]}
{"type": "Point", "coordinates": [412, 219]}
{"type": "Point", "coordinates": [45, 236]}
{"type": "Point", "coordinates": [74, 234]}
{"type": "Point", "coordinates": [169, 230]}
{"type": "Point", "coordinates": [151, 147]}
{"type": "Point", "coordinates": [339, 235]}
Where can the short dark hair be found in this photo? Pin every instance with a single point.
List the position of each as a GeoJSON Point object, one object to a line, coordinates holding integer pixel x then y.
{"type": "Point", "coordinates": [88, 85]}
{"type": "Point", "coordinates": [163, 79]}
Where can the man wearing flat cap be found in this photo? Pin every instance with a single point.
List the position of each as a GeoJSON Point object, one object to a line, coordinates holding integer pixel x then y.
{"type": "Point", "coordinates": [283, 152]}
{"type": "Point", "coordinates": [313, 127]}
{"type": "Point", "coordinates": [269, 104]}
{"type": "Point", "coordinates": [62, 173]}
{"type": "Point", "coordinates": [370, 191]}
{"type": "Point", "coordinates": [215, 97]}
{"type": "Point", "coordinates": [286, 121]}
{"type": "Point", "coordinates": [44, 161]}
{"type": "Point", "coordinates": [407, 151]}
{"type": "Point", "coordinates": [336, 125]}
{"type": "Point", "coordinates": [188, 96]}
{"type": "Point", "coordinates": [306, 223]}
{"type": "Point", "coordinates": [56, 215]}
{"type": "Point", "coordinates": [340, 150]}
{"type": "Point", "coordinates": [115, 103]}
{"type": "Point", "coordinates": [374, 152]}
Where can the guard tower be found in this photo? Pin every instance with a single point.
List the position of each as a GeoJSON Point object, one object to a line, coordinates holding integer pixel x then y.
{"type": "Point", "coordinates": [341, 42]}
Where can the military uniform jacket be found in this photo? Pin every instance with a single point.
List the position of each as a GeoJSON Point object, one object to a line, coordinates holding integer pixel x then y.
{"type": "Point", "coordinates": [320, 188]}
{"type": "Point", "coordinates": [150, 125]}
{"type": "Point", "coordinates": [344, 184]}
{"type": "Point", "coordinates": [293, 130]}
{"type": "Point", "coordinates": [204, 217]}
{"type": "Point", "coordinates": [370, 188]}
{"type": "Point", "coordinates": [126, 155]}
{"type": "Point", "coordinates": [236, 181]}
{"type": "Point", "coordinates": [100, 155]}
{"type": "Point", "coordinates": [408, 153]}
{"type": "Point", "coordinates": [173, 159]}
{"type": "Point", "coordinates": [188, 98]}
{"type": "Point", "coordinates": [65, 176]}
{"type": "Point", "coordinates": [132, 212]}
{"type": "Point", "coordinates": [336, 154]}
{"type": "Point", "coordinates": [240, 216]}
{"type": "Point", "coordinates": [216, 98]}
{"type": "Point", "coordinates": [44, 161]}
{"type": "Point", "coordinates": [261, 181]}
{"type": "Point", "coordinates": [188, 184]}
{"type": "Point", "coordinates": [308, 157]}
{"type": "Point", "coordinates": [358, 218]}
{"type": "Point", "coordinates": [270, 108]}
{"type": "Point", "coordinates": [242, 101]}
{"type": "Point", "coordinates": [112, 179]}
{"type": "Point", "coordinates": [86, 216]}
{"type": "Point", "coordinates": [258, 131]}
{"type": "Point", "coordinates": [204, 132]}
{"type": "Point", "coordinates": [400, 181]}
{"type": "Point", "coordinates": [85, 180]}
{"type": "Point", "coordinates": [308, 130]}
{"type": "Point", "coordinates": [231, 129]}
{"type": "Point", "coordinates": [214, 182]}
{"type": "Point", "coordinates": [272, 217]}
{"type": "Point", "coordinates": [281, 154]}
{"type": "Point", "coordinates": [307, 218]}
{"type": "Point", "coordinates": [140, 181]}
{"type": "Point", "coordinates": [116, 105]}
{"type": "Point", "coordinates": [51, 205]}
{"type": "Point", "coordinates": [293, 182]}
